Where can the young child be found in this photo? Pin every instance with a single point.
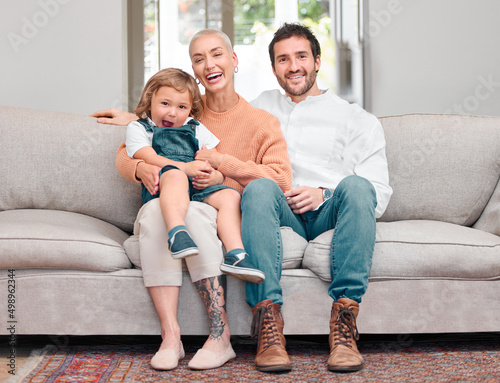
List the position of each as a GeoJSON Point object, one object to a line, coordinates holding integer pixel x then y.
{"type": "Point", "coordinates": [168, 135]}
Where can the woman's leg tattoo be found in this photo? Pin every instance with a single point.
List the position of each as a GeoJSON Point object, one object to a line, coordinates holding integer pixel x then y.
{"type": "Point", "coordinates": [212, 292]}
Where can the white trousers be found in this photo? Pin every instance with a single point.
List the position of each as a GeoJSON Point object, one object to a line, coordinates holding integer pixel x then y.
{"type": "Point", "coordinates": [158, 266]}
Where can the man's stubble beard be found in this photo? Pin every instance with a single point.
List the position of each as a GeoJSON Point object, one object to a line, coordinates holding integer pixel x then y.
{"type": "Point", "coordinates": [310, 80]}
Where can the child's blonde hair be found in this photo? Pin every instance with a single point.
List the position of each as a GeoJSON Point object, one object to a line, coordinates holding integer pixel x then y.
{"type": "Point", "coordinates": [173, 78]}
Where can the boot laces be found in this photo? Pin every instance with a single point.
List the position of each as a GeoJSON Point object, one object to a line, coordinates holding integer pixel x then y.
{"type": "Point", "coordinates": [264, 327]}
{"type": "Point", "coordinates": [345, 327]}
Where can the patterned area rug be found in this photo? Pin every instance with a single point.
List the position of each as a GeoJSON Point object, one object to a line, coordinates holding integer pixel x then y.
{"type": "Point", "coordinates": [462, 361]}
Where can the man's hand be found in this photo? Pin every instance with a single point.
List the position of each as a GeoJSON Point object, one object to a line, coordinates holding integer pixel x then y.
{"type": "Point", "coordinates": [114, 117]}
{"type": "Point", "coordinates": [214, 178]}
{"type": "Point", "coordinates": [196, 168]}
{"type": "Point", "coordinates": [212, 156]}
{"type": "Point", "coordinates": [149, 175]}
{"type": "Point", "coordinates": [304, 198]}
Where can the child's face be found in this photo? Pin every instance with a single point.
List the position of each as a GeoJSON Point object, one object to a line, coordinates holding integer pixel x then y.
{"type": "Point", "coordinates": [170, 108]}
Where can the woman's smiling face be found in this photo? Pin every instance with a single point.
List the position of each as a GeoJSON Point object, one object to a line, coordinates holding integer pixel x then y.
{"type": "Point", "coordinates": [213, 62]}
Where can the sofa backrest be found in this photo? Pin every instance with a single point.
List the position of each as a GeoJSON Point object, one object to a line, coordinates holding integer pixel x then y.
{"type": "Point", "coordinates": [61, 161]}
{"type": "Point", "coordinates": [441, 167]}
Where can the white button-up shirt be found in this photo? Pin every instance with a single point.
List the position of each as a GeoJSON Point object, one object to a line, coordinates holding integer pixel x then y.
{"type": "Point", "coordinates": [329, 139]}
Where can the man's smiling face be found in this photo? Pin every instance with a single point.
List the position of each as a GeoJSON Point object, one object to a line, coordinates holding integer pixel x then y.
{"type": "Point", "coordinates": [295, 67]}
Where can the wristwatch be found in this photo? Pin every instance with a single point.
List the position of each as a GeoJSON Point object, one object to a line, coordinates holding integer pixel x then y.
{"type": "Point", "coordinates": [327, 193]}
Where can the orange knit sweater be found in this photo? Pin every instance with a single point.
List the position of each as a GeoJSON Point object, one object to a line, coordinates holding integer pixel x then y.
{"type": "Point", "coordinates": [252, 143]}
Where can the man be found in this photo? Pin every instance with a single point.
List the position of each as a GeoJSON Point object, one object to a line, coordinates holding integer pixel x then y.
{"type": "Point", "coordinates": [337, 152]}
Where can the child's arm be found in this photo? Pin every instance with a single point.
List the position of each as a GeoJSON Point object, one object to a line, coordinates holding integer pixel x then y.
{"type": "Point", "coordinates": [148, 154]}
{"type": "Point", "coordinates": [192, 169]}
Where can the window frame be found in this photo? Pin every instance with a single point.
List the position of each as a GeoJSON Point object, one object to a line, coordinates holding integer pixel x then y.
{"type": "Point", "coordinates": [344, 52]}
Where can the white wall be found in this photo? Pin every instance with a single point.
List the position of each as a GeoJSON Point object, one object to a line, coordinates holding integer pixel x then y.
{"type": "Point", "coordinates": [63, 55]}
{"type": "Point", "coordinates": [434, 56]}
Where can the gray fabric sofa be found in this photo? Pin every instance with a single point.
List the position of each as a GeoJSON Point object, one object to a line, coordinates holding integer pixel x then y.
{"type": "Point", "coordinates": [66, 219]}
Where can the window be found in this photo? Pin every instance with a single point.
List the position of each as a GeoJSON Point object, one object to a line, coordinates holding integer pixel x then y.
{"type": "Point", "coordinates": [170, 24]}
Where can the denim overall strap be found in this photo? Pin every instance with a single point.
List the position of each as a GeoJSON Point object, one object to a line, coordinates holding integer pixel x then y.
{"type": "Point", "coordinates": [145, 124]}
{"type": "Point", "coordinates": [192, 122]}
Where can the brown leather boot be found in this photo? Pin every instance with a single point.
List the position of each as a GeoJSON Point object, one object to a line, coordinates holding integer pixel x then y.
{"type": "Point", "coordinates": [267, 326]}
{"type": "Point", "coordinates": [344, 354]}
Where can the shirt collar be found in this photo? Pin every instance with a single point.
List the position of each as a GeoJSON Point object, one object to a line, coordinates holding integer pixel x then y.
{"type": "Point", "coordinates": [324, 92]}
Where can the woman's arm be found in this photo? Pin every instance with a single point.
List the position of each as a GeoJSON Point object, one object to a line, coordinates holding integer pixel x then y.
{"type": "Point", "coordinates": [269, 156]}
{"type": "Point", "coordinates": [211, 179]}
{"type": "Point", "coordinates": [127, 166]}
{"type": "Point", "coordinates": [137, 170]}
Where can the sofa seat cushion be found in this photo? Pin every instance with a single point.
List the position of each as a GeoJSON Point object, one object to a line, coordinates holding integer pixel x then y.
{"type": "Point", "coordinates": [293, 249]}
{"type": "Point", "coordinates": [420, 250]}
{"type": "Point", "coordinates": [36, 238]}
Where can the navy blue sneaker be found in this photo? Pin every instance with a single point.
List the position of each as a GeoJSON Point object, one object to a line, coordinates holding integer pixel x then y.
{"type": "Point", "coordinates": [237, 263]}
{"type": "Point", "coordinates": [180, 244]}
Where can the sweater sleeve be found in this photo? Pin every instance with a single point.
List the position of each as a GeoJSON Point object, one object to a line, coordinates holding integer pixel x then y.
{"type": "Point", "coordinates": [125, 165]}
{"type": "Point", "coordinates": [269, 150]}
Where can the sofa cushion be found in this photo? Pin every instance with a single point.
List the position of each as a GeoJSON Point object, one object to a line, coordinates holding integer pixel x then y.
{"type": "Point", "coordinates": [58, 239]}
{"type": "Point", "coordinates": [490, 217]}
{"type": "Point", "coordinates": [441, 167]}
{"type": "Point", "coordinates": [63, 161]}
{"type": "Point", "coordinates": [293, 249]}
{"type": "Point", "coordinates": [420, 250]}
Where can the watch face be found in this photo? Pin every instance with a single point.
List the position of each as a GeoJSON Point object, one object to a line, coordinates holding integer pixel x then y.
{"type": "Point", "coordinates": [327, 193]}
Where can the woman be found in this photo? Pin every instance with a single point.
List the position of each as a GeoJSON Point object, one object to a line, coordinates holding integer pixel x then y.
{"type": "Point", "coordinates": [253, 147]}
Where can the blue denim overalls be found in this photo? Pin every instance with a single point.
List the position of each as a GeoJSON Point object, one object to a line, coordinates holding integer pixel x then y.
{"type": "Point", "coordinates": [177, 144]}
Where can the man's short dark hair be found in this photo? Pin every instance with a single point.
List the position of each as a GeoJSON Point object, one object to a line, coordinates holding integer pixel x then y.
{"type": "Point", "coordinates": [288, 30]}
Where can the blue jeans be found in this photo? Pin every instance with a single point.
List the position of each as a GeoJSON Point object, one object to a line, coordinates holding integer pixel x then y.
{"type": "Point", "coordinates": [351, 211]}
